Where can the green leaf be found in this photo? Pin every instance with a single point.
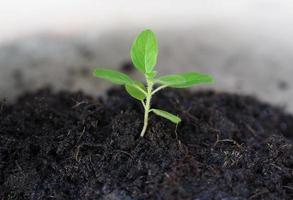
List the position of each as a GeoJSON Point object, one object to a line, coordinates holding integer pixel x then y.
{"type": "Point", "coordinates": [144, 51]}
{"type": "Point", "coordinates": [134, 92]}
{"type": "Point", "coordinates": [184, 80]}
{"type": "Point", "coordinates": [113, 76]}
{"type": "Point", "coordinates": [167, 115]}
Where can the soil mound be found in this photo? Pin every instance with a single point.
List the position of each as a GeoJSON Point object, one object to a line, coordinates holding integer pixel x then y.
{"type": "Point", "coordinates": [72, 146]}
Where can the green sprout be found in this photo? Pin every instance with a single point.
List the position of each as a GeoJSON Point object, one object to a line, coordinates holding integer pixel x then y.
{"type": "Point", "coordinates": [144, 53]}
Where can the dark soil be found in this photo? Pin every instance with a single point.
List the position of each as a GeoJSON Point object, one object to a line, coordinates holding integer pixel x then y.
{"type": "Point", "coordinates": [70, 146]}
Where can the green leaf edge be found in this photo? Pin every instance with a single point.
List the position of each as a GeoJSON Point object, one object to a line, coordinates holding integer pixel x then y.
{"type": "Point", "coordinates": [141, 96]}
{"type": "Point", "coordinates": [165, 114]}
{"type": "Point", "coordinates": [209, 79]}
{"type": "Point", "coordinates": [124, 79]}
{"type": "Point", "coordinates": [132, 54]}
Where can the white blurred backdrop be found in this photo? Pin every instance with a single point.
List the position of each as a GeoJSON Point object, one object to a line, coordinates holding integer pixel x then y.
{"type": "Point", "coordinates": [246, 44]}
{"type": "Point", "coordinates": [18, 18]}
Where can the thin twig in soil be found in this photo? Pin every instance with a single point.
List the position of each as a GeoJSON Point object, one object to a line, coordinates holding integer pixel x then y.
{"type": "Point", "coordinates": [251, 130]}
{"type": "Point", "coordinates": [226, 140]}
{"type": "Point", "coordinates": [93, 104]}
{"type": "Point", "coordinates": [288, 187]}
{"type": "Point", "coordinates": [77, 104]}
{"type": "Point", "coordinates": [176, 134]}
{"type": "Point", "coordinates": [192, 117]}
{"type": "Point", "coordinates": [167, 175]}
{"type": "Point", "coordinates": [124, 152]}
{"type": "Point", "coordinates": [82, 133]}
{"type": "Point", "coordinates": [19, 167]}
{"type": "Point", "coordinates": [76, 153]}
{"type": "Point", "coordinates": [276, 166]}
{"type": "Point", "coordinates": [85, 144]}
{"type": "Point", "coordinates": [263, 191]}
{"type": "Point", "coordinates": [69, 132]}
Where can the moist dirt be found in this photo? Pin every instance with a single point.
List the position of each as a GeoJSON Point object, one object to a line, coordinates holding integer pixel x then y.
{"type": "Point", "coordinates": [71, 146]}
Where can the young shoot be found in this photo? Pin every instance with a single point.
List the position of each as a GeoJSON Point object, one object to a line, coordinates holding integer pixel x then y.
{"type": "Point", "coordinates": [144, 53]}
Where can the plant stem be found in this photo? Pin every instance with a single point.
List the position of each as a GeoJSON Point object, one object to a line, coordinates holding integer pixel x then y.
{"type": "Point", "coordinates": [147, 105]}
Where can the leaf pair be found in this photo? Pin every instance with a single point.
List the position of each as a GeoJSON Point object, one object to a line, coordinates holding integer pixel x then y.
{"type": "Point", "coordinates": [182, 80]}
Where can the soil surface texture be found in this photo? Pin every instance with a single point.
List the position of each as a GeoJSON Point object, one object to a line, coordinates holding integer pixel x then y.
{"type": "Point", "coordinates": [72, 146]}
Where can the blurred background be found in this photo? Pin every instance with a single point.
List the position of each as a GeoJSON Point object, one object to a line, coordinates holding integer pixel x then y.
{"type": "Point", "coordinates": [247, 45]}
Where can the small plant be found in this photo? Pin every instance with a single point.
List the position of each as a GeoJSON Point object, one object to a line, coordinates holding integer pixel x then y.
{"type": "Point", "coordinates": [144, 53]}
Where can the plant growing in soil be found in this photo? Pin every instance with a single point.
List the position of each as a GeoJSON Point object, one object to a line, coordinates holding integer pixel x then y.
{"type": "Point", "coordinates": [144, 53]}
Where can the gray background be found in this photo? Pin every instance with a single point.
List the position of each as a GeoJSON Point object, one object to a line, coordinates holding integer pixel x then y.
{"type": "Point", "coordinates": [247, 47]}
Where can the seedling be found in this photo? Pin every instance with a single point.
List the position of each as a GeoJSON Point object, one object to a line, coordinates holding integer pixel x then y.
{"type": "Point", "coordinates": [144, 53]}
